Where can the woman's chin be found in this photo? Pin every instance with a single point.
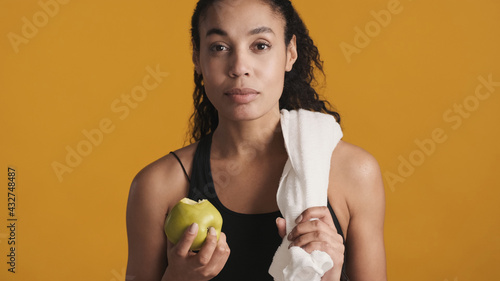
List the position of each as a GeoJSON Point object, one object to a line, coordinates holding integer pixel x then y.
{"type": "Point", "coordinates": [247, 114]}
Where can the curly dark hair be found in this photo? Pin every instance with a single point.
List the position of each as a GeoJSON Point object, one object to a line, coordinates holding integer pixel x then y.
{"type": "Point", "coordinates": [298, 91]}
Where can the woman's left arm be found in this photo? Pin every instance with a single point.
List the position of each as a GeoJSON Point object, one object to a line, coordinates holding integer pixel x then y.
{"type": "Point", "coordinates": [365, 197]}
{"type": "Point", "coordinates": [358, 180]}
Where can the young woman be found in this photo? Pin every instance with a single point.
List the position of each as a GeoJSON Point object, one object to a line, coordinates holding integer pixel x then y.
{"type": "Point", "coordinates": [252, 58]}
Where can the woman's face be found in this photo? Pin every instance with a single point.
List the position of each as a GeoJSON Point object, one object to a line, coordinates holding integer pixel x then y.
{"type": "Point", "coordinates": [243, 58]}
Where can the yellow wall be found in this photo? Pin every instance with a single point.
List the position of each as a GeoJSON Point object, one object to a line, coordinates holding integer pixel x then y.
{"type": "Point", "coordinates": [411, 92]}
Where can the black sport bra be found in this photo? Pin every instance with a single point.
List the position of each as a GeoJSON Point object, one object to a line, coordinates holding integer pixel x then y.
{"type": "Point", "coordinates": [252, 238]}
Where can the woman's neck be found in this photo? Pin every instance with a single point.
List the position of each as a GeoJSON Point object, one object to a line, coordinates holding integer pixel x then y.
{"type": "Point", "coordinates": [255, 138]}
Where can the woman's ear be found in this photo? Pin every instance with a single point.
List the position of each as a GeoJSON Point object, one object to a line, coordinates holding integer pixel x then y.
{"type": "Point", "coordinates": [291, 53]}
{"type": "Point", "coordinates": [196, 61]}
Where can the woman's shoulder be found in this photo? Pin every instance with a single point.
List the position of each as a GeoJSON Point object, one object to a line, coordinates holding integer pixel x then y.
{"type": "Point", "coordinates": [357, 172]}
{"type": "Point", "coordinates": [355, 161]}
{"type": "Point", "coordinates": [164, 180]}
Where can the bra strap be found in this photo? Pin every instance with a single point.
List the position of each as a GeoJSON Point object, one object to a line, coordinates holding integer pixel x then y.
{"type": "Point", "coordinates": [182, 166]}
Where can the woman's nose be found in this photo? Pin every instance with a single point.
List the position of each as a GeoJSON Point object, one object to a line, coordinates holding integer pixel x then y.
{"type": "Point", "coordinates": [240, 64]}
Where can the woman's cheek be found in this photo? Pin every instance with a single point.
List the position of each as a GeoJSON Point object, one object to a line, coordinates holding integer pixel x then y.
{"type": "Point", "coordinates": [275, 73]}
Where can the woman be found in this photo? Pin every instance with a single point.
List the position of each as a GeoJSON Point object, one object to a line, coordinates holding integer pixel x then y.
{"type": "Point", "coordinates": [252, 58]}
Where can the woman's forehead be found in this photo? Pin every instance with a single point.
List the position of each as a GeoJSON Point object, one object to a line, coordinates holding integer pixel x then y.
{"type": "Point", "coordinates": [241, 15]}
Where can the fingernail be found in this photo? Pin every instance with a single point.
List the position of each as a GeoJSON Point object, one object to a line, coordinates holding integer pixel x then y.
{"type": "Point", "coordinates": [290, 236]}
{"type": "Point", "coordinates": [193, 228]}
{"type": "Point", "coordinates": [212, 231]}
{"type": "Point", "coordinates": [299, 219]}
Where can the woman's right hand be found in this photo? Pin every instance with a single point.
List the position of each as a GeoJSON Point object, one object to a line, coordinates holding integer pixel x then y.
{"type": "Point", "coordinates": [187, 265]}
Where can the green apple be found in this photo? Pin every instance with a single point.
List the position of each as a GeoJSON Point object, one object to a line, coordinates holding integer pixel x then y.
{"type": "Point", "coordinates": [185, 213]}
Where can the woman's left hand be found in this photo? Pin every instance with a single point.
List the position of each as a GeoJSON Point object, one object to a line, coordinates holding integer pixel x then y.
{"type": "Point", "coordinates": [315, 230]}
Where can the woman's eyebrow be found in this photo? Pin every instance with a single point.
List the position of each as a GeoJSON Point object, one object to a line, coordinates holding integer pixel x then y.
{"type": "Point", "coordinates": [217, 31]}
{"type": "Point", "coordinates": [260, 29]}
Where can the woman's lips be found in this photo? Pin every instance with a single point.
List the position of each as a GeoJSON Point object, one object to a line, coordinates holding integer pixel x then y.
{"type": "Point", "coordinates": [242, 95]}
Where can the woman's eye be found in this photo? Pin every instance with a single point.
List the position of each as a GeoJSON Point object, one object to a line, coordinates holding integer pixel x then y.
{"type": "Point", "coordinates": [262, 46]}
{"type": "Point", "coordinates": [218, 48]}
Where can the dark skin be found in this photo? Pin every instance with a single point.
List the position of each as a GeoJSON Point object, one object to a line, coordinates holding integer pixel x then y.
{"type": "Point", "coordinates": [357, 205]}
{"type": "Point", "coordinates": [250, 53]}
{"type": "Point", "coordinates": [205, 264]}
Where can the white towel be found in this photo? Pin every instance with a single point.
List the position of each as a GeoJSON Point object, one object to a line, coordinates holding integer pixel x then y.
{"type": "Point", "coordinates": [310, 138]}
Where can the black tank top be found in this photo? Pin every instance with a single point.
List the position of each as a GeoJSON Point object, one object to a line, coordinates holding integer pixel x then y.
{"type": "Point", "coordinates": [252, 238]}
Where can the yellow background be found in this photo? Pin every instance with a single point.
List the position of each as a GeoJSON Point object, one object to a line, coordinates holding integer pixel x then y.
{"type": "Point", "coordinates": [442, 219]}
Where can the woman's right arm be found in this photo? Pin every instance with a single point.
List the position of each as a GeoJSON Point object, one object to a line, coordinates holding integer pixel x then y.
{"type": "Point", "coordinates": [147, 205]}
{"type": "Point", "coordinates": [203, 265]}
{"type": "Point", "coordinates": [154, 191]}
